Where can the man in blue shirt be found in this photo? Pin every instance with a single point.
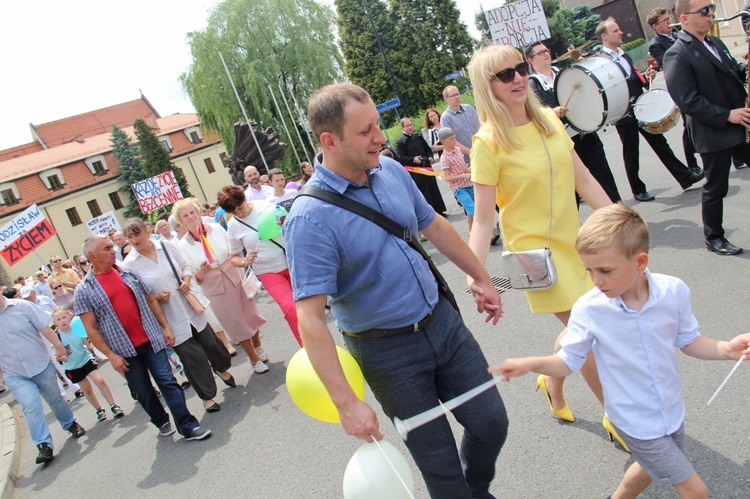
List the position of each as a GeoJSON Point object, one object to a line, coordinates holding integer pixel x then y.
{"type": "Point", "coordinates": [412, 345]}
{"type": "Point", "coordinates": [29, 372]}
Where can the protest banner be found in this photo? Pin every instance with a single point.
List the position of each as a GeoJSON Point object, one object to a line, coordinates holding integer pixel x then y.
{"type": "Point", "coordinates": [104, 222]}
{"type": "Point", "coordinates": [518, 24]}
{"type": "Point", "coordinates": [24, 234]}
{"type": "Point", "coordinates": [157, 191]}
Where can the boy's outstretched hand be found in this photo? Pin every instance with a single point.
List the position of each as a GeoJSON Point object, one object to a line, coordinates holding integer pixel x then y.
{"type": "Point", "coordinates": [739, 346]}
{"type": "Point", "coordinates": [511, 368]}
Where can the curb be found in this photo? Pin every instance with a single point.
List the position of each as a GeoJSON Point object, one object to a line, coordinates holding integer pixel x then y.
{"type": "Point", "coordinates": [10, 452]}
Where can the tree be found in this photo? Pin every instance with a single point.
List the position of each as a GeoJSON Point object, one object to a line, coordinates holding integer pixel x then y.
{"type": "Point", "coordinates": [264, 42]}
{"type": "Point", "coordinates": [480, 21]}
{"type": "Point", "coordinates": [126, 153]}
{"type": "Point", "coordinates": [155, 159]}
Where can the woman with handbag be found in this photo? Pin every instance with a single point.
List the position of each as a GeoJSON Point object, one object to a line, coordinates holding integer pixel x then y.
{"type": "Point", "coordinates": [166, 271]}
{"type": "Point", "coordinates": [523, 160]}
{"type": "Point", "coordinates": [206, 246]}
{"type": "Point", "coordinates": [267, 258]}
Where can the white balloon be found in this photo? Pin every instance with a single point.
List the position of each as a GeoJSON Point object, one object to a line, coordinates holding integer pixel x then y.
{"type": "Point", "coordinates": [369, 476]}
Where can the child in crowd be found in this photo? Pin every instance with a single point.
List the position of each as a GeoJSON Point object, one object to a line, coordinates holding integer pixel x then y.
{"type": "Point", "coordinates": [81, 365]}
{"type": "Point", "coordinates": [456, 172]}
{"type": "Point", "coordinates": [633, 320]}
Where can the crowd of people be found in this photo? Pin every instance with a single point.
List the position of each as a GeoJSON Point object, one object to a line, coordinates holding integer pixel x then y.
{"type": "Point", "coordinates": [180, 284]}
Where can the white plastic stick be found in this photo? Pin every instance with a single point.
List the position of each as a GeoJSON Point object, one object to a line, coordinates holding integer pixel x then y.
{"type": "Point", "coordinates": [721, 386]}
{"type": "Point", "coordinates": [405, 426]}
{"type": "Point", "coordinates": [393, 467]}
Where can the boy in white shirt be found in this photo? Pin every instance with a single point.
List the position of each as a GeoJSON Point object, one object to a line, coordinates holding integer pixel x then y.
{"type": "Point", "coordinates": [633, 320]}
{"type": "Point", "coordinates": [280, 196]}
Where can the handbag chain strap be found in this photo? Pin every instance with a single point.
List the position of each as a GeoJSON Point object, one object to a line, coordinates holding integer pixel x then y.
{"type": "Point", "coordinates": [549, 160]}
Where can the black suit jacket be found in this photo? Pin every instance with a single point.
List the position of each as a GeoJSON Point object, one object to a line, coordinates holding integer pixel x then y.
{"type": "Point", "coordinates": [658, 47]}
{"type": "Point", "coordinates": [410, 146]}
{"type": "Point", "coordinates": [706, 90]}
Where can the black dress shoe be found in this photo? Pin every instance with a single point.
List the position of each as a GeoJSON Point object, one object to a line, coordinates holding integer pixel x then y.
{"type": "Point", "coordinates": [76, 430]}
{"type": "Point", "coordinates": [721, 246]}
{"type": "Point", "coordinates": [740, 166]}
{"type": "Point", "coordinates": [644, 196]}
{"type": "Point", "coordinates": [230, 382]}
{"type": "Point", "coordinates": [692, 179]}
{"type": "Point", "coordinates": [45, 453]}
{"type": "Point", "coordinates": [696, 169]}
{"type": "Point", "coordinates": [213, 407]}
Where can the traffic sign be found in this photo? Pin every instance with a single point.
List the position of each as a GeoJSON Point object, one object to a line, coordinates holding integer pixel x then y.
{"type": "Point", "coordinates": [385, 106]}
{"type": "Point", "coordinates": [455, 75]}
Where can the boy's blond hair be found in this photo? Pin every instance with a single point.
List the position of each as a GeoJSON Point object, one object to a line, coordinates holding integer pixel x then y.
{"type": "Point", "coordinates": [61, 308]}
{"type": "Point", "coordinates": [617, 226]}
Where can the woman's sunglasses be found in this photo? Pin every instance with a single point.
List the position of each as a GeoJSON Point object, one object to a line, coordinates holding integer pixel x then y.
{"type": "Point", "coordinates": [705, 11]}
{"type": "Point", "coordinates": [83, 262]}
{"type": "Point", "coordinates": [507, 74]}
{"type": "Point", "coordinates": [57, 287]}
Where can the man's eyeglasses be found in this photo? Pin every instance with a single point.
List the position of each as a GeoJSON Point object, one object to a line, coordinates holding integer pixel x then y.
{"type": "Point", "coordinates": [57, 287]}
{"type": "Point", "coordinates": [705, 11]}
{"type": "Point", "coordinates": [541, 52]}
{"type": "Point", "coordinates": [507, 74]}
{"type": "Point", "coordinates": [84, 262]}
{"type": "Point", "coordinates": [665, 20]}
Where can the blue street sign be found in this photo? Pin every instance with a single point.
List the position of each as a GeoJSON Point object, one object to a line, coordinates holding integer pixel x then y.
{"type": "Point", "coordinates": [455, 75]}
{"type": "Point", "coordinates": [385, 106]}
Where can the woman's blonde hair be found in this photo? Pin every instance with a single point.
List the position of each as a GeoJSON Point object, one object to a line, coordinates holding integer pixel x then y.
{"type": "Point", "coordinates": [487, 61]}
{"type": "Point", "coordinates": [185, 203]}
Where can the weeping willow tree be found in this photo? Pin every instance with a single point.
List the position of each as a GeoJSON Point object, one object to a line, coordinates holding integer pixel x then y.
{"type": "Point", "coordinates": [286, 43]}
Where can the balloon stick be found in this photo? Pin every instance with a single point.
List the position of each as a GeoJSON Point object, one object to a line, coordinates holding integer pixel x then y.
{"type": "Point", "coordinates": [721, 386]}
{"type": "Point", "coordinates": [405, 426]}
{"type": "Point", "coordinates": [393, 467]}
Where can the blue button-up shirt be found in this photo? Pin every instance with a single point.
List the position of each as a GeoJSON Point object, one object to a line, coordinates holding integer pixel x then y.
{"type": "Point", "coordinates": [635, 354]}
{"type": "Point", "coordinates": [23, 351]}
{"type": "Point", "coordinates": [374, 279]}
{"type": "Point", "coordinates": [91, 297]}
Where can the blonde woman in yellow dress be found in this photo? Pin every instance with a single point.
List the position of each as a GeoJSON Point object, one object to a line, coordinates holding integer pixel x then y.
{"type": "Point", "coordinates": [510, 167]}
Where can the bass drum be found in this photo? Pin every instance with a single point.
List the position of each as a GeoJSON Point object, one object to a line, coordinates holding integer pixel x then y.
{"type": "Point", "coordinates": [596, 90]}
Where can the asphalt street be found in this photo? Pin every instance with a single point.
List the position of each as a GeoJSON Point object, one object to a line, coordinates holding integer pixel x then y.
{"type": "Point", "coordinates": [263, 446]}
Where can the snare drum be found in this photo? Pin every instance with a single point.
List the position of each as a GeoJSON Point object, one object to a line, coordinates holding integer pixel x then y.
{"type": "Point", "coordinates": [655, 111]}
{"type": "Point", "coordinates": [598, 91]}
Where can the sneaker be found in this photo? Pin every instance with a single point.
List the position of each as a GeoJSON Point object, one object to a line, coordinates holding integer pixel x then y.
{"type": "Point", "coordinates": [45, 453]}
{"type": "Point", "coordinates": [260, 367]}
{"type": "Point", "coordinates": [198, 433]}
{"type": "Point", "coordinates": [166, 429]}
{"type": "Point", "coordinates": [101, 414]}
{"type": "Point", "coordinates": [76, 430]}
{"type": "Point", "coordinates": [262, 355]}
{"type": "Point", "coordinates": [79, 394]}
{"type": "Point", "coordinates": [116, 411]}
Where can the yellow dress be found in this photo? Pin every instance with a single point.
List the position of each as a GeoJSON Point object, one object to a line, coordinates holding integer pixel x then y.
{"type": "Point", "coordinates": [522, 178]}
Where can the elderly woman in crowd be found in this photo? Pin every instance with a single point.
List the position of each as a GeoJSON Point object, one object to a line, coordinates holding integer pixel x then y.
{"type": "Point", "coordinates": [159, 264]}
{"type": "Point", "coordinates": [523, 160]}
{"type": "Point", "coordinates": [267, 258]}
{"type": "Point", "coordinates": [221, 280]}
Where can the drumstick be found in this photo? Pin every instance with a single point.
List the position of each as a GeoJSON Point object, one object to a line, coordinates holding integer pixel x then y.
{"type": "Point", "coordinates": [734, 369]}
{"type": "Point", "coordinates": [575, 87]}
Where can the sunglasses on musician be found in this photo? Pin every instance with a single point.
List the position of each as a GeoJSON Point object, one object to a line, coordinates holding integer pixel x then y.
{"type": "Point", "coordinates": [705, 11]}
{"type": "Point", "coordinates": [507, 74]}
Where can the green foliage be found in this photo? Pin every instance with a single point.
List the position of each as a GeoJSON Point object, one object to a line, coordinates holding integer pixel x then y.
{"type": "Point", "coordinates": [155, 159]}
{"type": "Point", "coordinates": [634, 44]}
{"type": "Point", "coordinates": [126, 153]}
{"type": "Point", "coordinates": [568, 27]}
{"type": "Point", "coordinates": [264, 42]}
{"type": "Point", "coordinates": [480, 21]}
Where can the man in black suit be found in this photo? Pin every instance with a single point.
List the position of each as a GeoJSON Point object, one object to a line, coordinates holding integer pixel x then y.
{"type": "Point", "coordinates": [708, 85]}
{"type": "Point", "coordinates": [664, 37]}
{"type": "Point", "coordinates": [610, 35]}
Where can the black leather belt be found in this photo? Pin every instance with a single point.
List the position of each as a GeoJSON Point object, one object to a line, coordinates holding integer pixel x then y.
{"type": "Point", "coordinates": [384, 333]}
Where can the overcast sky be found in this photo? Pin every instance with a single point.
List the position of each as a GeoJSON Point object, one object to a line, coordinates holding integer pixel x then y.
{"type": "Point", "coordinates": [62, 58]}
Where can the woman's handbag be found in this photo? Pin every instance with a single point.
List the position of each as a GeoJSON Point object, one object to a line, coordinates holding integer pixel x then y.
{"type": "Point", "coordinates": [192, 300]}
{"type": "Point", "coordinates": [534, 269]}
{"type": "Point", "coordinates": [250, 283]}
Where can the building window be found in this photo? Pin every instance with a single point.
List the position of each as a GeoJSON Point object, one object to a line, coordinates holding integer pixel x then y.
{"type": "Point", "coordinates": [209, 165]}
{"type": "Point", "coordinates": [222, 157]}
{"type": "Point", "coordinates": [8, 198]}
{"type": "Point", "coordinates": [73, 216]}
{"type": "Point", "coordinates": [194, 134]}
{"type": "Point", "coordinates": [9, 194]}
{"type": "Point", "coordinates": [53, 179]}
{"type": "Point", "coordinates": [94, 208]}
{"type": "Point", "coordinates": [166, 143]}
{"type": "Point", "coordinates": [97, 165]}
{"type": "Point", "coordinates": [116, 201]}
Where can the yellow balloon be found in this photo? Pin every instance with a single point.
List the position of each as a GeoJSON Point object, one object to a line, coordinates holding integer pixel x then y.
{"type": "Point", "coordinates": [307, 391]}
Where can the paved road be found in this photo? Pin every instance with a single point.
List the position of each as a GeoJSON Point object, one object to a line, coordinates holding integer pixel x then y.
{"type": "Point", "coordinates": [263, 446]}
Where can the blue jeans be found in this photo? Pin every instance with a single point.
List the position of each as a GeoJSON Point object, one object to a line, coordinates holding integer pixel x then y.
{"type": "Point", "coordinates": [145, 361]}
{"type": "Point", "coordinates": [411, 373]}
{"type": "Point", "coordinates": [27, 390]}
